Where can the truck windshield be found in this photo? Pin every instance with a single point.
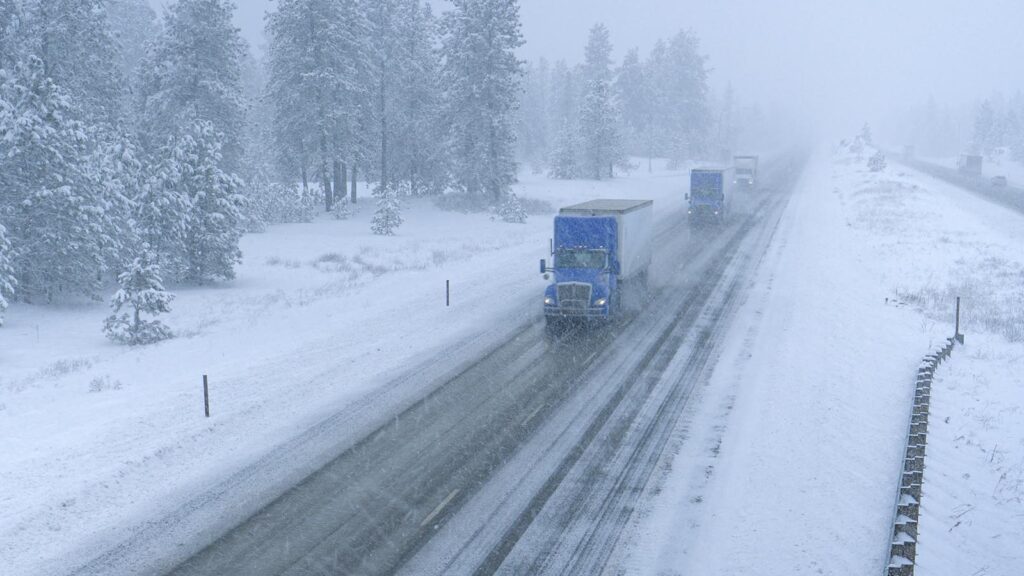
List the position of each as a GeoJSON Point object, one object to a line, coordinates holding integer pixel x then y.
{"type": "Point", "coordinates": [581, 259]}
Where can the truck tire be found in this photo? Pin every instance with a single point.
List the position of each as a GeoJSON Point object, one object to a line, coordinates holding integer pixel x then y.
{"type": "Point", "coordinates": [553, 327]}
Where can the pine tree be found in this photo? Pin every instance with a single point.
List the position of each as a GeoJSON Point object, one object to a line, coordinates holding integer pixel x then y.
{"type": "Point", "coordinates": [877, 162]}
{"type": "Point", "coordinates": [407, 95]}
{"type": "Point", "coordinates": [534, 116]}
{"type": "Point", "coordinates": [59, 216]}
{"type": "Point", "coordinates": [563, 163]}
{"type": "Point", "coordinates": [163, 209]}
{"type": "Point", "coordinates": [193, 73]}
{"type": "Point", "coordinates": [316, 84]}
{"type": "Point", "coordinates": [133, 24]}
{"type": "Point", "coordinates": [599, 134]}
{"type": "Point", "coordinates": [11, 18]}
{"type": "Point", "coordinates": [216, 224]}
{"type": "Point", "coordinates": [679, 81]}
{"type": "Point", "coordinates": [633, 92]}
{"type": "Point", "coordinates": [79, 53]}
{"type": "Point", "coordinates": [481, 73]}
{"type": "Point", "coordinates": [7, 279]}
{"type": "Point", "coordinates": [141, 293]}
{"type": "Point", "coordinates": [388, 217]}
{"type": "Point", "coordinates": [865, 135]}
{"type": "Point", "coordinates": [512, 210]}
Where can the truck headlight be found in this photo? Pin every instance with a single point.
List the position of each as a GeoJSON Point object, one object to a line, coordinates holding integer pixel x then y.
{"type": "Point", "coordinates": [600, 302]}
{"type": "Point", "coordinates": [549, 301]}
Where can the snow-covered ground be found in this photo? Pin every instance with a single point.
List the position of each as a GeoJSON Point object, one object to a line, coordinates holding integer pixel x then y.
{"type": "Point", "coordinates": [790, 463]}
{"type": "Point", "coordinates": [97, 438]}
{"type": "Point", "coordinates": [972, 516]}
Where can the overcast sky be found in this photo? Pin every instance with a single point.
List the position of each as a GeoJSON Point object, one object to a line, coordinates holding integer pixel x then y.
{"type": "Point", "coordinates": [841, 59]}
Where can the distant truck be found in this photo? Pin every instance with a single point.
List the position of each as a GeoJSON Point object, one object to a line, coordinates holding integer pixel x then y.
{"type": "Point", "coordinates": [709, 196]}
{"type": "Point", "coordinates": [602, 253]}
{"type": "Point", "coordinates": [970, 164]}
{"type": "Point", "coordinates": [745, 170]}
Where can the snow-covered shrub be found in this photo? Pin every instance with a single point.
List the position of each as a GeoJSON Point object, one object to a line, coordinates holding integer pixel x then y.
{"type": "Point", "coordinates": [877, 162]}
{"type": "Point", "coordinates": [511, 210]}
{"type": "Point", "coordinates": [7, 280]}
{"type": "Point", "coordinates": [141, 293]}
{"type": "Point", "coordinates": [857, 146]}
{"type": "Point", "coordinates": [388, 217]}
{"type": "Point", "coordinates": [865, 135]}
{"type": "Point", "coordinates": [342, 209]}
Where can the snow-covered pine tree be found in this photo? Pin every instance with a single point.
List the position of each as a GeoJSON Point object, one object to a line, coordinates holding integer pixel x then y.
{"type": "Point", "coordinates": [7, 279]}
{"type": "Point", "coordinates": [409, 105]}
{"type": "Point", "coordinates": [634, 96]}
{"type": "Point", "coordinates": [877, 162]}
{"type": "Point", "coordinates": [512, 210]}
{"type": "Point", "coordinates": [193, 73]}
{"type": "Point", "coordinates": [133, 24]}
{"type": "Point", "coordinates": [59, 217]}
{"type": "Point", "coordinates": [316, 84]}
{"type": "Point", "coordinates": [563, 164]}
{"type": "Point", "coordinates": [79, 54]}
{"type": "Point", "coordinates": [599, 138]}
{"type": "Point", "coordinates": [119, 176]}
{"type": "Point", "coordinates": [481, 74]}
{"type": "Point", "coordinates": [10, 24]}
{"type": "Point", "coordinates": [388, 216]}
{"type": "Point", "coordinates": [141, 294]}
{"type": "Point", "coordinates": [865, 134]}
{"type": "Point", "coordinates": [534, 116]}
{"type": "Point", "coordinates": [163, 209]}
{"type": "Point", "coordinates": [681, 98]}
{"type": "Point", "coordinates": [215, 225]}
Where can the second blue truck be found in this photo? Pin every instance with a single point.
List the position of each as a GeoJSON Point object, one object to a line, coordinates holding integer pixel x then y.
{"type": "Point", "coordinates": [709, 195]}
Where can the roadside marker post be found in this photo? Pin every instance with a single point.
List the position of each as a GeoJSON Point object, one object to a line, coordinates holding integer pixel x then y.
{"type": "Point", "coordinates": [206, 395]}
{"type": "Point", "coordinates": [959, 337]}
{"type": "Point", "coordinates": [447, 293]}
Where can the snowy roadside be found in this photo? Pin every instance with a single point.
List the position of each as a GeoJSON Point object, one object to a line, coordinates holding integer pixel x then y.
{"type": "Point", "coordinates": [98, 438]}
{"type": "Point", "coordinates": [790, 463]}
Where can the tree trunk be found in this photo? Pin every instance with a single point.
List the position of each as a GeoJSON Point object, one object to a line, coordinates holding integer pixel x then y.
{"type": "Point", "coordinates": [343, 182]}
{"type": "Point", "coordinates": [338, 190]}
{"type": "Point", "coordinates": [355, 183]}
{"type": "Point", "coordinates": [305, 180]}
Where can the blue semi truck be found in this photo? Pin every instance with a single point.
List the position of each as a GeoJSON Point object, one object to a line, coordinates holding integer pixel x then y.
{"type": "Point", "coordinates": [602, 253]}
{"type": "Point", "coordinates": [709, 195]}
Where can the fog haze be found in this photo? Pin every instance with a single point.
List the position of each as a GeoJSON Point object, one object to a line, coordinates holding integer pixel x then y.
{"type": "Point", "coordinates": [845, 61]}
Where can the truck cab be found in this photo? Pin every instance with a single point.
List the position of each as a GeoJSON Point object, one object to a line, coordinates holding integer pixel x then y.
{"type": "Point", "coordinates": [584, 267]}
{"type": "Point", "coordinates": [745, 170]}
{"type": "Point", "coordinates": [708, 197]}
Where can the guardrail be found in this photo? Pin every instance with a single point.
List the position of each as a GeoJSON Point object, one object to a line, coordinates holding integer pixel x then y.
{"type": "Point", "coordinates": [903, 544]}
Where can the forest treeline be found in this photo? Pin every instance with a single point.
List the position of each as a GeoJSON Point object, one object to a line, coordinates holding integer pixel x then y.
{"type": "Point", "coordinates": [135, 142]}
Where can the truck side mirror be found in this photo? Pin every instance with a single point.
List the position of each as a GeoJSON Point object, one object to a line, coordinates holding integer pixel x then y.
{"type": "Point", "coordinates": [615, 268]}
{"type": "Point", "coordinates": [543, 266]}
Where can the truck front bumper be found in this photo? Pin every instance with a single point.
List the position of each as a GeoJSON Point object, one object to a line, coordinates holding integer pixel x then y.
{"type": "Point", "coordinates": [594, 312]}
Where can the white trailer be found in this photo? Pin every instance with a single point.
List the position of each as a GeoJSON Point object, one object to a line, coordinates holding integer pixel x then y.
{"type": "Point", "coordinates": [635, 231]}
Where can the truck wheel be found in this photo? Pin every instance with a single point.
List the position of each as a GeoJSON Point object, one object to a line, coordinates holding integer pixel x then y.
{"type": "Point", "coordinates": [553, 328]}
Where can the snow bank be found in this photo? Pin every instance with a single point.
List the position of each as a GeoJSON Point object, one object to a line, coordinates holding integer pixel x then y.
{"type": "Point", "coordinates": [791, 462]}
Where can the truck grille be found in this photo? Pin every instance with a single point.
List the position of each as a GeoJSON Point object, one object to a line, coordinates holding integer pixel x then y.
{"type": "Point", "coordinates": [574, 296]}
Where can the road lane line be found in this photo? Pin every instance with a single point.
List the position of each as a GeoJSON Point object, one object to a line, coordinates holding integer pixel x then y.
{"type": "Point", "coordinates": [532, 414]}
{"type": "Point", "coordinates": [439, 508]}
